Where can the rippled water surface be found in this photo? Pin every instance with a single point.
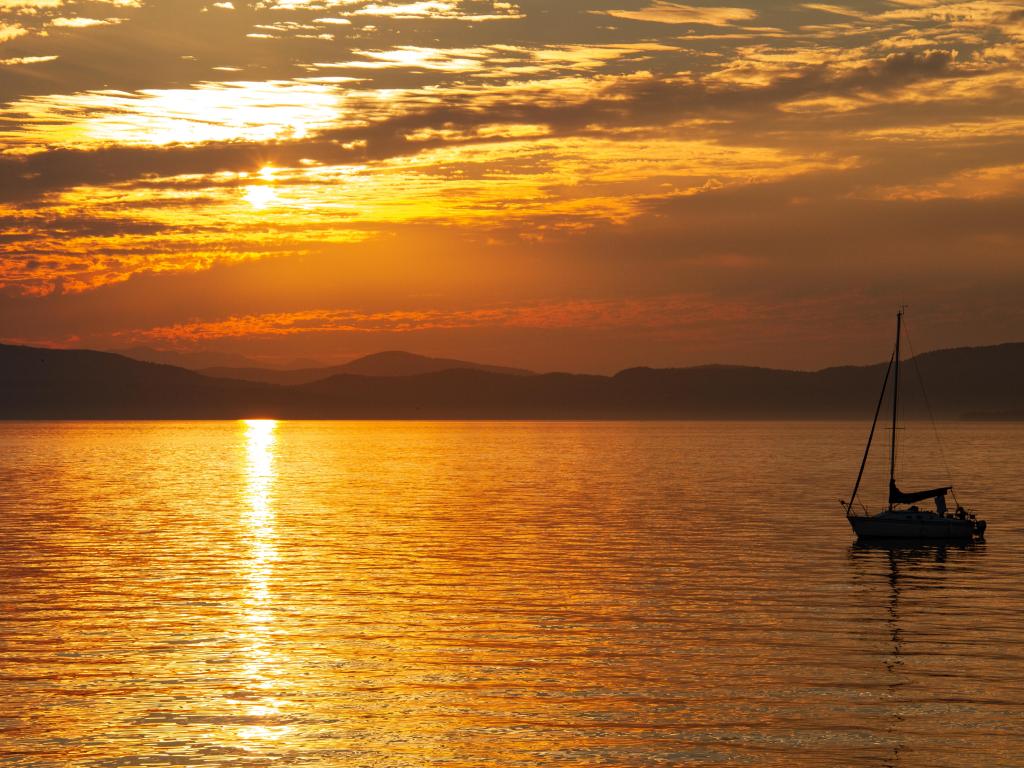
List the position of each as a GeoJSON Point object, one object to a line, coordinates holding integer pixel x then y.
{"type": "Point", "coordinates": [498, 594]}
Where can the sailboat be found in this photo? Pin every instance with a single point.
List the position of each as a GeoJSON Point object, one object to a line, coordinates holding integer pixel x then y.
{"type": "Point", "coordinates": [903, 518]}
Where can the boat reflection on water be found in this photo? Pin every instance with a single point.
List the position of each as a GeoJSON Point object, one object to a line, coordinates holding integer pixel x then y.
{"type": "Point", "coordinates": [906, 575]}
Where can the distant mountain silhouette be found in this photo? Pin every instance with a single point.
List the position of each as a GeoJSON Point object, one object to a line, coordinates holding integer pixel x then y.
{"type": "Point", "coordinates": [82, 384]}
{"type": "Point", "coordinates": [982, 382]}
{"type": "Point", "coordinates": [190, 360]}
{"type": "Point", "coordinates": [380, 364]}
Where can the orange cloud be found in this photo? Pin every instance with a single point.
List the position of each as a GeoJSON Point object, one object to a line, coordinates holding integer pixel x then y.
{"type": "Point", "coordinates": [660, 312]}
{"type": "Point", "coordinates": [666, 12]}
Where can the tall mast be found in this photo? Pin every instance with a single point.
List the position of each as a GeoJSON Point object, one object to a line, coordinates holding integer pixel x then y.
{"type": "Point", "coordinates": [895, 400]}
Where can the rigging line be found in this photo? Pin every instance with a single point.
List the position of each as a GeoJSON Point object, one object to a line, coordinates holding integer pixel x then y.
{"type": "Point", "coordinates": [867, 448]}
{"type": "Point", "coordinates": [931, 416]}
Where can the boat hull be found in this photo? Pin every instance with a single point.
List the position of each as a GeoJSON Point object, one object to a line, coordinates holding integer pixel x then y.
{"type": "Point", "coordinates": [885, 526]}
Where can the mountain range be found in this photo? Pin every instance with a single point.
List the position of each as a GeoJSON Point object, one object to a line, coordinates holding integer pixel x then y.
{"type": "Point", "coordinates": [379, 364]}
{"type": "Point", "coordinates": [972, 382]}
{"type": "Point", "coordinates": [191, 360]}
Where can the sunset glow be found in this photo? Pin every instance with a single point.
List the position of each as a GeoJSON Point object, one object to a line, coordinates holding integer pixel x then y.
{"type": "Point", "coordinates": [479, 159]}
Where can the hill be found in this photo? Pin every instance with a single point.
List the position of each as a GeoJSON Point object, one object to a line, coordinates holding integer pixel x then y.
{"type": "Point", "coordinates": [982, 382]}
{"type": "Point", "coordinates": [190, 360]}
{"type": "Point", "coordinates": [82, 384]}
{"type": "Point", "coordinates": [380, 364]}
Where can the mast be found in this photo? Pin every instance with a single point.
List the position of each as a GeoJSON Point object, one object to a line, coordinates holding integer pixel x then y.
{"type": "Point", "coordinates": [895, 400]}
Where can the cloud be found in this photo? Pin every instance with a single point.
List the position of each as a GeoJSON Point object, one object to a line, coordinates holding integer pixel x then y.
{"type": "Point", "coordinates": [838, 10]}
{"type": "Point", "coordinates": [402, 131]}
{"type": "Point", "coordinates": [206, 112]}
{"type": "Point", "coordinates": [592, 314]}
{"type": "Point", "coordinates": [580, 152]}
{"type": "Point", "coordinates": [665, 12]}
{"type": "Point", "coordinates": [756, 251]}
{"type": "Point", "coordinates": [11, 31]}
{"type": "Point", "coordinates": [78, 22]}
{"type": "Point", "coordinates": [29, 5]}
{"type": "Point", "coordinates": [448, 60]}
{"type": "Point", "coordinates": [22, 60]}
{"type": "Point", "coordinates": [414, 9]}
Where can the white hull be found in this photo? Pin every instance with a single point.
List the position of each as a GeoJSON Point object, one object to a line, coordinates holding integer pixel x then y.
{"type": "Point", "coordinates": [914, 525]}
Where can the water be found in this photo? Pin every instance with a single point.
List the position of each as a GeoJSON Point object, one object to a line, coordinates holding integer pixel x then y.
{"type": "Point", "coordinates": [498, 594]}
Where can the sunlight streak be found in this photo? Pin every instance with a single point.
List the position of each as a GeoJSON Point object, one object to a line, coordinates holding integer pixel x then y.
{"type": "Point", "coordinates": [260, 663]}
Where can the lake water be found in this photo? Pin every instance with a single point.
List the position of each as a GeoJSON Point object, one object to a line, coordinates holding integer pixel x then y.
{"type": "Point", "coordinates": [499, 594]}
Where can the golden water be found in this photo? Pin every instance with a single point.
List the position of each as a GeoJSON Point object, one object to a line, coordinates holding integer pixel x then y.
{"type": "Point", "coordinates": [496, 594]}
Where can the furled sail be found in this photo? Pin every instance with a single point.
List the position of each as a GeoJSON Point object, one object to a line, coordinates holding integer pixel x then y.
{"type": "Point", "coordinates": [896, 496]}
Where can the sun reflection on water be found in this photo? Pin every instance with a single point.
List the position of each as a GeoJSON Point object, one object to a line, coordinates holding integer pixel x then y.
{"type": "Point", "coordinates": [260, 663]}
{"type": "Point", "coordinates": [260, 480]}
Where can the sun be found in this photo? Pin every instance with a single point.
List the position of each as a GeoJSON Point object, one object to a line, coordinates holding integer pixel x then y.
{"type": "Point", "coordinates": [259, 196]}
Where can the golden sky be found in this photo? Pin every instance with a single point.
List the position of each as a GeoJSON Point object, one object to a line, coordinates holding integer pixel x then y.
{"type": "Point", "coordinates": [557, 184]}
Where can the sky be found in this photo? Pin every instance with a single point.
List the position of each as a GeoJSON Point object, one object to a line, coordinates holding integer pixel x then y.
{"type": "Point", "coordinates": [581, 185]}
